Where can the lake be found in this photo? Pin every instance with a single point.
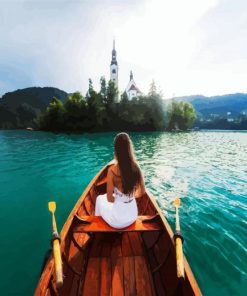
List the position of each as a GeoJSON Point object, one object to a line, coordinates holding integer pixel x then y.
{"type": "Point", "coordinates": [207, 169]}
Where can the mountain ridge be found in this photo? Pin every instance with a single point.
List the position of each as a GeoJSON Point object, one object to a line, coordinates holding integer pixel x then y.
{"type": "Point", "coordinates": [221, 104]}
{"type": "Point", "coordinates": [20, 107]}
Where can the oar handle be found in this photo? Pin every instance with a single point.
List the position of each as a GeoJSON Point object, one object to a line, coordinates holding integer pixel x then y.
{"type": "Point", "coordinates": [179, 247]}
{"type": "Point", "coordinates": [58, 262]}
{"type": "Point", "coordinates": [177, 220]}
{"type": "Point", "coordinates": [57, 253]}
{"type": "Point", "coordinates": [179, 257]}
{"type": "Point", "coordinates": [54, 225]}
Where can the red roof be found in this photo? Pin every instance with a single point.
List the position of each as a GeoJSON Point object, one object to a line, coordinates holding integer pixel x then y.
{"type": "Point", "coordinates": [133, 87]}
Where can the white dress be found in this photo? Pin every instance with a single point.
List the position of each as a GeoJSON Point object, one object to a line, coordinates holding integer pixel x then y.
{"type": "Point", "coordinates": [120, 213]}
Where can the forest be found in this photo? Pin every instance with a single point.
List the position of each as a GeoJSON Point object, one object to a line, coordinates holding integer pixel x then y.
{"type": "Point", "coordinates": [99, 111]}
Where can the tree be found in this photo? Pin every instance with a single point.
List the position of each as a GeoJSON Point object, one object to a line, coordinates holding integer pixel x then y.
{"type": "Point", "coordinates": [75, 112]}
{"type": "Point", "coordinates": [91, 91]}
{"type": "Point", "coordinates": [181, 116]}
{"type": "Point", "coordinates": [153, 89]}
{"type": "Point", "coordinates": [53, 117]}
{"type": "Point", "coordinates": [189, 116]}
{"type": "Point", "coordinates": [25, 115]}
{"type": "Point", "coordinates": [124, 98]}
{"type": "Point", "coordinates": [112, 93]}
{"type": "Point", "coordinates": [103, 89]}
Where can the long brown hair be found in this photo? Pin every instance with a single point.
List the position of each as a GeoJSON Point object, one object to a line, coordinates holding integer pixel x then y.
{"type": "Point", "coordinates": [129, 169]}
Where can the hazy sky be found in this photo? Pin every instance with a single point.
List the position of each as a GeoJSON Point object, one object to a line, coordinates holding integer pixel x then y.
{"type": "Point", "coordinates": [186, 46]}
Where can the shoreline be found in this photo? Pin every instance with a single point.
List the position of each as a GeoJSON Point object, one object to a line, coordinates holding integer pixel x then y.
{"type": "Point", "coordinates": [118, 131]}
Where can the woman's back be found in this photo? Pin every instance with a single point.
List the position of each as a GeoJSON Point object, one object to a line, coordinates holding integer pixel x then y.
{"type": "Point", "coordinates": [116, 176]}
{"type": "Point", "coordinates": [139, 189]}
{"type": "Point", "coordinates": [124, 183]}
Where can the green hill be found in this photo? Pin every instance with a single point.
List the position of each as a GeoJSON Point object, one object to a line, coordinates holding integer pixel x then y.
{"type": "Point", "coordinates": [218, 105]}
{"type": "Point", "coordinates": [20, 107]}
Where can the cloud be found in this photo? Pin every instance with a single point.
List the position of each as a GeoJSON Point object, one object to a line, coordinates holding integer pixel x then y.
{"type": "Point", "coordinates": [186, 46]}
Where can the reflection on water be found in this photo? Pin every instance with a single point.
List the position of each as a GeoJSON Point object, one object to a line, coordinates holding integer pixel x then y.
{"type": "Point", "coordinates": [208, 170]}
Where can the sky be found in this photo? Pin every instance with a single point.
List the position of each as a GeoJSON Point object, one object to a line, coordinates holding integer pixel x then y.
{"type": "Point", "coordinates": [187, 47]}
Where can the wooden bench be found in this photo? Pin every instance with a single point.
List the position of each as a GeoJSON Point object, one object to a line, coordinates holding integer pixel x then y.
{"type": "Point", "coordinates": [97, 224]}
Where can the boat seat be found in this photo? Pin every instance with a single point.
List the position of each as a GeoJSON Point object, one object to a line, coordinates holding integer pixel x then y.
{"type": "Point", "coordinates": [97, 224]}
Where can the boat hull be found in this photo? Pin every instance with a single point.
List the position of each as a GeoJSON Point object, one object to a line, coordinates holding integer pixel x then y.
{"type": "Point", "coordinates": [100, 260]}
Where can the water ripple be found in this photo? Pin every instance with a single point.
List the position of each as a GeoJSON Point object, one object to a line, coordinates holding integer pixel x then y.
{"type": "Point", "coordinates": [206, 169]}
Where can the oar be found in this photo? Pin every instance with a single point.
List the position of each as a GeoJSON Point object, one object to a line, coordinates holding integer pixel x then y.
{"type": "Point", "coordinates": [179, 242]}
{"type": "Point", "coordinates": [56, 246]}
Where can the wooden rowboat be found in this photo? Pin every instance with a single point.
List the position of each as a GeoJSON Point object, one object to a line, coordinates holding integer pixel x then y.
{"type": "Point", "coordinates": [100, 260]}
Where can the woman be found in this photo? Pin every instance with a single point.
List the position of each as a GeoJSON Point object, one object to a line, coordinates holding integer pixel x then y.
{"type": "Point", "coordinates": [124, 184]}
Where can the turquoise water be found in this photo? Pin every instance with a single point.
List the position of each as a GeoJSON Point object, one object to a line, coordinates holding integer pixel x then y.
{"type": "Point", "coordinates": [207, 169]}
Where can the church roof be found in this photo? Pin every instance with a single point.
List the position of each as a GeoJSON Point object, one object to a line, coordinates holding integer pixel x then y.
{"type": "Point", "coordinates": [133, 87]}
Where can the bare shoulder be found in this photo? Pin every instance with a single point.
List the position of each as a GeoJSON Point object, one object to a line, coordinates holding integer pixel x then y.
{"type": "Point", "coordinates": [115, 170]}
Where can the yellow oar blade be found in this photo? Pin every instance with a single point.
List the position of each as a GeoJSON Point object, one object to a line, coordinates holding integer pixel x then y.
{"type": "Point", "coordinates": [52, 206]}
{"type": "Point", "coordinates": [177, 202]}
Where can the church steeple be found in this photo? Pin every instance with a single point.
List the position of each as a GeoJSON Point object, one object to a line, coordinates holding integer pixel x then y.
{"type": "Point", "coordinates": [114, 55]}
{"type": "Point", "coordinates": [114, 67]}
{"type": "Point", "coordinates": [131, 75]}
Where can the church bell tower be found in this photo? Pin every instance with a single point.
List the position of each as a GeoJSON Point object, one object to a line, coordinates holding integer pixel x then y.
{"type": "Point", "coordinates": [114, 66]}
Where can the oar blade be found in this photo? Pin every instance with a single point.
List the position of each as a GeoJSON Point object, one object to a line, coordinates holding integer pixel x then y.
{"type": "Point", "coordinates": [177, 202]}
{"type": "Point", "coordinates": [52, 206]}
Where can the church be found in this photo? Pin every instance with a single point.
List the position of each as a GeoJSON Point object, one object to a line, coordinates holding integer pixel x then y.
{"type": "Point", "coordinates": [131, 90]}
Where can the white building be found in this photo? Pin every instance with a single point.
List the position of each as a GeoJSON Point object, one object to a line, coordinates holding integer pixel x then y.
{"type": "Point", "coordinates": [114, 67]}
{"type": "Point", "coordinates": [132, 90]}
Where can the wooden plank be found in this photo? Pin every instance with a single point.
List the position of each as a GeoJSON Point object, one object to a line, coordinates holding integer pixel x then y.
{"type": "Point", "coordinates": [129, 276]}
{"type": "Point", "coordinates": [68, 274]}
{"type": "Point", "coordinates": [159, 287]}
{"type": "Point", "coordinates": [150, 275]}
{"type": "Point", "coordinates": [75, 285]}
{"type": "Point", "coordinates": [68, 277]}
{"type": "Point", "coordinates": [116, 250]}
{"type": "Point", "coordinates": [150, 238]}
{"type": "Point", "coordinates": [92, 278]}
{"type": "Point", "coordinates": [89, 205]}
{"type": "Point", "coordinates": [169, 274]}
{"type": "Point", "coordinates": [117, 287]}
{"type": "Point", "coordinates": [157, 279]}
{"type": "Point", "coordinates": [126, 246]}
{"type": "Point", "coordinates": [105, 280]}
{"type": "Point", "coordinates": [106, 245]}
{"type": "Point", "coordinates": [97, 224]}
{"type": "Point", "coordinates": [93, 195]}
{"type": "Point", "coordinates": [151, 210]}
{"type": "Point", "coordinates": [162, 249]}
{"type": "Point", "coordinates": [142, 204]}
{"type": "Point", "coordinates": [75, 257]}
{"type": "Point", "coordinates": [143, 285]}
{"type": "Point", "coordinates": [96, 246]}
{"type": "Point", "coordinates": [102, 181]}
{"type": "Point", "coordinates": [47, 292]}
{"type": "Point", "coordinates": [82, 210]}
{"type": "Point", "coordinates": [135, 242]}
{"type": "Point", "coordinates": [82, 240]}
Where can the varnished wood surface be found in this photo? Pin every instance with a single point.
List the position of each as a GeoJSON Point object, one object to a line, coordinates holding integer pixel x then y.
{"type": "Point", "coordinates": [100, 260]}
{"type": "Point", "coordinates": [97, 224]}
{"type": "Point", "coordinates": [113, 271]}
